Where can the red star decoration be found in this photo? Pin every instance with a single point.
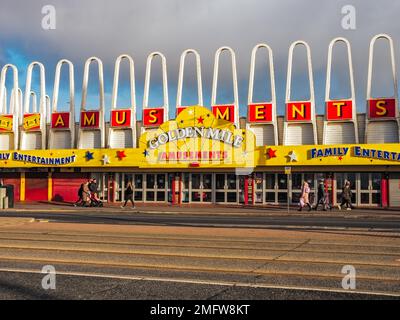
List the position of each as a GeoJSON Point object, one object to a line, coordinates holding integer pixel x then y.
{"type": "Point", "coordinates": [271, 153]}
{"type": "Point", "coordinates": [340, 158]}
{"type": "Point", "coordinates": [121, 154]}
{"type": "Point", "coordinates": [200, 120]}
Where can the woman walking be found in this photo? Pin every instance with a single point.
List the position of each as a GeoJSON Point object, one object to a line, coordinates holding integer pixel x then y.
{"type": "Point", "coordinates": [129, 195]}
{"type": "Point", "coordinates": [304, 198]}
{"type": "Point", "coordinates": [346, 196]}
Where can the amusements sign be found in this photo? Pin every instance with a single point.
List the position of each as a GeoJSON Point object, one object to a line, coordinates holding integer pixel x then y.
{"type": "Point", "coordinates": [261, 112]}
{"type": "Point", "coordinates": [196, 138]}
{"type": "Point", "coordinates": [224, 112]}
{"type": "Point", "coordinates": [121, 118]}
{"type": "Point", "coordinates": [298, 111]}
{"type": "Point", "coordinates": [339, 110]}
{"type": "Point", "coordinates": [382, 108]}
{"type": "Point", "coordinates": [90, 119]}
{"type": "Point", "coordinates": [60, 120]}
{"type": "Point", "coordinates": [153, 117]}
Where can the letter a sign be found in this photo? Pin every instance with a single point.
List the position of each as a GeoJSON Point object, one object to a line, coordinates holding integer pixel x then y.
{"type": "Point", "coordinates": [60, 120]}
{"type": "Point", "coordinates": [90, 119]}
{"type": "Point", "coordinates": [298, 111]}
{"type": "Point", "coordinates": [120, 118]}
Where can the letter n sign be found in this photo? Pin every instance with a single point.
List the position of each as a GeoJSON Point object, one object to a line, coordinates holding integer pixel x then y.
{"type": "Point", "coordinates": [261, 112]}
{"type": "Point", "coordinates": [339, 110]}
{"type": "Point", "coordinates": [298, 111]}
{"type": "Point", "coordinates": [121, 118]}
{"type": "Point", "coordinates": [382, 108]}
{"type": "Point", "coordinates": [153, 117]}
{"type": "Point", "coordinates": [224, 112]}
{"type": "Point", "coordinates": [90, 119]}
{"type": "Point", "coordinates": [60, 120]}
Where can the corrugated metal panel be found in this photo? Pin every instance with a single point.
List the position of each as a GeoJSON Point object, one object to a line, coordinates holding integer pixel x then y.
{"type": "Point", "coordinates": [264, 134]}
{"type": "Point", "coordinates": [31, 140]}
{"type": "Point", "coordinates": [90, 139]}
{"type": "Point", "coordinates": [382, 132]}
{"type": "Point", "coordinates": [61, 140]}
{"type": "Point", "coordinates": [299, 134]}
{"type": "Point", "coordinates": [340, 133]}
{"type": "Point", "coordinates": [361, 127]}
{"type": "Point", "coordinates": [394, 190]}
{"type": "Point", "coordinates": [6, 141]}
{"type": "Point", "coordinates": [121, 139]}
{"type": "Point", "coordinates": [280, 122]}
{"type": "Point", "coordinates": [320, 128]}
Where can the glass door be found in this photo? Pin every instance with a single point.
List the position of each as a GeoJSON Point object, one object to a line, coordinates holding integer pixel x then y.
{"type": "Point", "coordinates": [226, 188]}
{"type": "Point", "coordinates": [156, 187]}
{"type": "Point", "coordinates": [370, 189]}
{"type": "Point", "coordinates": [201, 187]}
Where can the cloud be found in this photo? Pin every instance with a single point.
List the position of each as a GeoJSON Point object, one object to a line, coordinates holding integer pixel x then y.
{"type": "Point", "coordinates": [109, 28]}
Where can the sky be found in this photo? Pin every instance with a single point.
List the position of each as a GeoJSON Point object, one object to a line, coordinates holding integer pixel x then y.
{"type": "Point", "coordinates": [106, 29]}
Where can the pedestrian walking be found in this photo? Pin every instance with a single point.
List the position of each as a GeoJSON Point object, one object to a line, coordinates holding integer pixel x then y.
{"type": "Point", "coordinates": [129, 195]}
{"type": "Point", "coordinates": [321, 196]}
{"type": "Point", "coordinates": [346, 196]}
{"type": "Point", "coordinates": [304, 198]}
{"type": "Point", "coordinates": [80, 196]}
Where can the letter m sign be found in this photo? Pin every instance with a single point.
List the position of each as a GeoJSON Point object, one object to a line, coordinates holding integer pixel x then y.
{"type": "Point", "coordinates": [90, 119]}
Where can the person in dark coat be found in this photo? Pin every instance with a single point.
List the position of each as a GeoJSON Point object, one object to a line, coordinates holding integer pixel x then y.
{"type": "Point", "coordinates": [346, 196]}
{"type": "Point", "coordinates": [321, 196]}
{"type": "Point", "coordinates": [129, 195]}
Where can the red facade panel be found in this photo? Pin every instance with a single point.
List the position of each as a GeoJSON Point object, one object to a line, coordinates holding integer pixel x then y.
{"type": "Point", "coordinates": [66, 185]}
{"type": "Point", "coordinates": [36, 186]}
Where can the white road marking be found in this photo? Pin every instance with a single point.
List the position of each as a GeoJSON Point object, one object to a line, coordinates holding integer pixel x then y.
{"type": "Point", "coordinates": [204, 282]}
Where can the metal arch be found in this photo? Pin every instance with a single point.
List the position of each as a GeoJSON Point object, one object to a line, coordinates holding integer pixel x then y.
{"type": "Point", "coordinates": [370, 63]}
{"type": "Point", "coordinates": [34, 101]}
{"type": "Point", "coordinates": [71, 86]}
{"type": "Point", "coordinates": [252, 74]}
{"type": "Point", "coordinates": [329, 68]}
{"type": "Point", "coordinates": [14, 101]}
{"type": "Point", "coordinates": [165, 81]}
{"type": "Point", "coordinates": [4, 102]}
{"type": "Point", "coordinates": [234, 77]}
{"type": "Point", "coordinates": [114, 96]}
{"type": "Point", "coordinates": [42, 100]}
{"type": "Point", "coordinates": [310, 73]}
{"type": "Point", "coordinates": [198, 76]}
{"type": "Point", "coordinates": [86, 80]}
{"type": "Point", "coordinates": [48, 109]}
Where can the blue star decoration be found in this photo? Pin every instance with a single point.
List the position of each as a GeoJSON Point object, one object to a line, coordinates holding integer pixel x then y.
{"type": "Point", "coordinates": [145, 153]}
{"type": "Point", "coordinates": [89, 155]}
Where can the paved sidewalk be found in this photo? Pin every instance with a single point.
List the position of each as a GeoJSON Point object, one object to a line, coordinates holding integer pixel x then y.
{"type": "Point", "coordinates": [195, 209]}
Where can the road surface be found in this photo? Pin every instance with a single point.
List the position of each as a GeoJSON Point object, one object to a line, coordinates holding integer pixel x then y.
{"type": "Point", "coordinates": [182, 258]}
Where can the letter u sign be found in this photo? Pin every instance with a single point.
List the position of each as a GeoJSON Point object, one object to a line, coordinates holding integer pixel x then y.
{"type": "Point", "coordinates": [121, 118]}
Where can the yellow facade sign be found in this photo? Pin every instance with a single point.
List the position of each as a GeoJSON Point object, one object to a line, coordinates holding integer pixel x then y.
{"type": "Point", "coordinates": [197, 139]}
